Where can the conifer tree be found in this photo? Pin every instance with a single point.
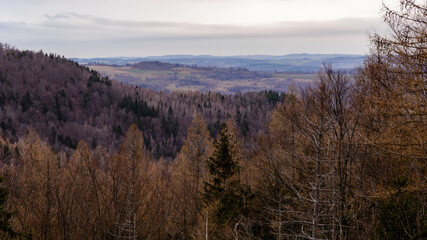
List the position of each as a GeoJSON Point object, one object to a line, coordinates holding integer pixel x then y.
{"type": "Point", "coordinates": [134, 189]}
{"type": "Point", "coordinates": [392, 93]}
{"type": "Point", "coordinates": [35, 181]}
{"type": "Point", "coordinates": [223, 193]}
{"type": "Point", "coordinates": [189, 173]}
{"type": "Point", "coordinates": [81, 185]}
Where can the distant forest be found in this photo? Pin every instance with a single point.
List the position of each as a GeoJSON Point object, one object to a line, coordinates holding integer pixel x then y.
{"type": "Point", "coordinates": [86, 157]}
{"type": "Point", "coordinates": [300, 63]}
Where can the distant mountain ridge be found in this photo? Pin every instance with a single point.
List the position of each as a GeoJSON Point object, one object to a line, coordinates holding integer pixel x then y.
{"type": "Point", "coordinates": [302, 63]}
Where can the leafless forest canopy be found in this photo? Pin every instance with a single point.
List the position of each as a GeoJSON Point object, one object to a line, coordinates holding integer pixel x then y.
{"type": "Point", "coordinates": [64, 103]}
{"type": "Point", "coordinates": [85, 157]}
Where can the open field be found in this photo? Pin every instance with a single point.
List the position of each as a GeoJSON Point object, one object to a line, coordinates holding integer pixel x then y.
{"type": "Point", "coordinates": [176, 77]}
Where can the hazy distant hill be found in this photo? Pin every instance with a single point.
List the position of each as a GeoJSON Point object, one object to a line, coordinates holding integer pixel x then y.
{"type": "Point", "coordinates": [178, 77]}
{"type": "Point", "coordinates": [286, 63]}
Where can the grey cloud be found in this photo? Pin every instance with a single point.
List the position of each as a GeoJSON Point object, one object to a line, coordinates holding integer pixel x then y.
{"type": "Point", "coordinates": [87, 36]}
{"type": "Point", "coordinates": [158, 29]}
{"type": "Point", "coordinates": [67, 15]}
{"type": "Point", "coordinates": [130, 24]}
{"type": "Point", "coordinates": [77, 15]}
{"type": "Point", "coordinates": [68, 23]}
{"type": "Point", "coordinates": [103, 22]}
{"type": "Point", "coordinates": [57, 16]}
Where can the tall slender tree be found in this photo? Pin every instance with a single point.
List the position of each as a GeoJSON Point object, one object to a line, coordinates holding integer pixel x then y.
{"type": "Point", "coordinates": [189, 172]}
{"type": "Point", "coordinates": [35, 180]}
{"type": "Point", "coordinates": [128, 171]}
{"type": "Point", "coordinates": [392, 92]}
{"type": "Point", "coordinates": [224, 192]}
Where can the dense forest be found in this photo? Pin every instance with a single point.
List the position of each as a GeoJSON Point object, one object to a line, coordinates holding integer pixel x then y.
{"type": "Point", "coordinates": [64, 103]}
{"type": "Point", "coordinates": [344, 158]}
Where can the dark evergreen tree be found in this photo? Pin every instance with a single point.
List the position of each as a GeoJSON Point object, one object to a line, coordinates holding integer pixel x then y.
{"type": "Point", "coordinates": [224, 192]}
{"type": "Point", "coordinates": [5, 227]}
{"type": "Point", "coordinates": [26, 102]}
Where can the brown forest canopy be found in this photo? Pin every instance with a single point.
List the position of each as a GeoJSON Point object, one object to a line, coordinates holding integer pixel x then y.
{"type": "Point", "coordinates": [342, 159]}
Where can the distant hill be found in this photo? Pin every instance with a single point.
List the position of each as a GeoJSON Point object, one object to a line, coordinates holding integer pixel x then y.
{"type": "Point", "coordinates": [301, 63]}
{"type": "Point", "coordinates": [178, 77]}
{"type": "Point", "coordinates": [65, 102]}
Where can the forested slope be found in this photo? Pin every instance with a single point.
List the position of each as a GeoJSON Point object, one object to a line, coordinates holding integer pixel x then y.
{"type": "Point", "coordinates": [65, 103]}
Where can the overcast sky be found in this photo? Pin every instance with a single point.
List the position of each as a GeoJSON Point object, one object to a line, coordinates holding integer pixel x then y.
{"type": "Point", "coordinates": [137, 28]}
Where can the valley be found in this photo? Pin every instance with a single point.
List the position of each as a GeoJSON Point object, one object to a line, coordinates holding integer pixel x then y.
{"type": "Point", "coordinates": [177, 77]}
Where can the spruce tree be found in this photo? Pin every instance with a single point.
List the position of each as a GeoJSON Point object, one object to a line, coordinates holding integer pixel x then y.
{"type": "Point", "coordinates": [223, 193]}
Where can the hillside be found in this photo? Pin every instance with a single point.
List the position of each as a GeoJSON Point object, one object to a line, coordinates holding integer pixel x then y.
{"type": "Point", "coordinates": [65, 102]}
{"type": "Point", "coordinates": [173, 76]}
